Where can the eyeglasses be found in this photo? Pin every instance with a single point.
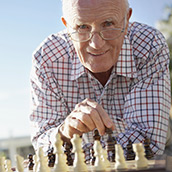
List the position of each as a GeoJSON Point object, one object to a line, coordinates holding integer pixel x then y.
{"type": "Point", "coordinates": [108, 34]}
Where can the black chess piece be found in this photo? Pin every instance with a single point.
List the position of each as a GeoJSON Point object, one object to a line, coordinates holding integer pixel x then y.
{"type": "Point", "coordinates": [30, 164]}
{"type": "Point", "coordinates": [51, 158]}
{"type": "Point", "coordinates": [110, 145]}
{"type": "Point", "coordinates": [68, 152]}
{"type": "Point", "coordinates": [93, 158]}
{"type": "Point", "coordinates": [96, 135]}
{"type": "Point", "coordinates": [148, 151]}
{"type": "Point", "coordinates": [130, 155]}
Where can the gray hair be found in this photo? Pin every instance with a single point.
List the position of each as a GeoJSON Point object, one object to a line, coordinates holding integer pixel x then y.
{"type": "Point", "coordinates": [66, 3]}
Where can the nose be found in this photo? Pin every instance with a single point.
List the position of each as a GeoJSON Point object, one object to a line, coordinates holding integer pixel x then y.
{"type": "Point", "coordinates": [96, 41]}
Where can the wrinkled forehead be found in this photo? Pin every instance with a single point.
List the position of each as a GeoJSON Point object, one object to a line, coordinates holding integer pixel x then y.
{"type": "Point", "coordinates": [81, 8]}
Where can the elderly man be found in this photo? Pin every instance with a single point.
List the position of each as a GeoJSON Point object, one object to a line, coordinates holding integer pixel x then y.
{"type": "Point", "coordinates": [101, 72]}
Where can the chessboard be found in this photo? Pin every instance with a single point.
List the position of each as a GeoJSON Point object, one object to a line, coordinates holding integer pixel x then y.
{"type": "Point", "coordinates": [71, 158]}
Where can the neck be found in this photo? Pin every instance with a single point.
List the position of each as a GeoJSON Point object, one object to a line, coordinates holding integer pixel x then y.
{"type": "Point", "coordinates": [102, 77]}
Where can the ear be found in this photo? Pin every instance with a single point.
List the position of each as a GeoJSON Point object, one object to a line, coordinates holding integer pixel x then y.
{"type": "Point", "coordinates": [128, 18]}
{"type": "Point", "coordinates": [64, 21]}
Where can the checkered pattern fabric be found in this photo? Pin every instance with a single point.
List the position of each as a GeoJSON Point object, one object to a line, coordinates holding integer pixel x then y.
{"type": "Point", "coordinates": [136, 96]}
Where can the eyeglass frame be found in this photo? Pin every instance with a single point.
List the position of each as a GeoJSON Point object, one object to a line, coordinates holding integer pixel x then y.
{"type": "Point", "coordinates": [100, 33]}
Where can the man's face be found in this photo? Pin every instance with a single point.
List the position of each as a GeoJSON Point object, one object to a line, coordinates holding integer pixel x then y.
{"type": "Point", "coordinates": [98, 55]}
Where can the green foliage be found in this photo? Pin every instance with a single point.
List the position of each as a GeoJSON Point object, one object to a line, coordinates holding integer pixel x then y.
{"type": "Point", "coordinates": [165, 27]}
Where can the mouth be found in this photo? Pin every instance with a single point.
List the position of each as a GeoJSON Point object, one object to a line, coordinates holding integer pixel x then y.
{"type": "Point", "coordinates": [97, 54]}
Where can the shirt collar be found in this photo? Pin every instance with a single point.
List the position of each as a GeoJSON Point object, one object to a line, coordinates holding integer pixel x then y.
{"type": "Point", "coordinates": [125, 66]}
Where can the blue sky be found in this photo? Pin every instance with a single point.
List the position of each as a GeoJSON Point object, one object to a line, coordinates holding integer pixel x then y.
{"type": "Point", "coordinates": [24, 24]}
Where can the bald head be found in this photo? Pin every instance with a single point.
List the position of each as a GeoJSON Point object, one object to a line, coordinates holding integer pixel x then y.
{"type": "Point", "coordinates": [69, 4]}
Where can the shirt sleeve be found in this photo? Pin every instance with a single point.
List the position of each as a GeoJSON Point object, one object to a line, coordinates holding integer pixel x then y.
{"type": "Point", "coordinates": [146, 109]}
{"type": "Point", "coordinates": [47, 105]}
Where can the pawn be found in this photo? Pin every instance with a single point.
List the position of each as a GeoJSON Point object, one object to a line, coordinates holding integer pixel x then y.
{"type": "Point", "coordinates": [99, 162]}
{"type": "Point", "coordinates": [68, 152]}
{"type": "Point", "coordinates": [19, 163]}
{"type": "Point", "coordinates": [141, 161]}
{"type": "Point", "coordinates": [2, 162]}
{"type": "Point", "coordinates": [35, 159]}
{"type": "Point", "coordinates": [42, 165]}
{"type": "Point", "coordinates": [31, 164]}
{"type": "Point", "coordinates": [105, 158]}
{"type": "Point", "coordinates": [51, 158]}
{"type": "Point", "coordinates": [8, 165]}
{"type": "Point", "coordinates": [119, 158]}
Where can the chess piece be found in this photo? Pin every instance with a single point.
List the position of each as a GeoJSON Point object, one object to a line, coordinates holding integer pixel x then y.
{"type": "Point", "coordinates": [130, 155]}
{"type": "Point", "coordinates": [35, 160]}
{"type": "Point", "coordinates": [141, 161]}
{"type": "Point", "coordinates": [99, 163]}
{"type": "Point", "coordinates": [51, 158]}
{"type": "Point", "coordinates": [96, 135]}
{"type": "Point", "coordinates": [60, 163]}
{"type": "Point", "coordinates": [110, 145]}
{"type": "Point", "coordinates": [119, 158]}
{"type": "Point", "coordinates": [79, 160]}
{"type": "Point", "coordinates": [31, 164]}
{"type": "Point", "coordinates": [19, 163]}
{"type": "Point", "coordinates": [105, 158]}
{"type": "Point", "coordinates": [8, 166]}
{"type": "Point", "coordinates": [92, 157]}
{"type": "Point", "coordinates": [42, 161]}
{"type": "Point", "coordinates": [68, 152]}
{"type": "Point", "coordinates": [148, 151]}
{"type": "Point", "coordinates": [2, 162]}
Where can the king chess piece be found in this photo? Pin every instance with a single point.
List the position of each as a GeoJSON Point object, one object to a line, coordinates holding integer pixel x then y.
{"type": "Point", "coordinates": [130, 155]}
{"type": "Point", "coordinates": [110, 145]}
{"type": "Point", "coordinates": [148, 151]}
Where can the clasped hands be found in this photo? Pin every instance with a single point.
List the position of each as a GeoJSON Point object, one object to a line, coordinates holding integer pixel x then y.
{"type": "Point", "coordinates": [85, 117]}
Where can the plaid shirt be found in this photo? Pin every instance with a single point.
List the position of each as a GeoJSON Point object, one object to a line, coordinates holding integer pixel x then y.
{"type": "Point", "coordinates": [136, 96]}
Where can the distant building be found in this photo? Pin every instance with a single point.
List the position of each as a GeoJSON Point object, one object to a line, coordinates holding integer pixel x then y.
{"type": "Point", "coordinates": [15, 145]}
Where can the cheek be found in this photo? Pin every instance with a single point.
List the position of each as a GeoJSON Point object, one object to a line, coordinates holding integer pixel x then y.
{"type": "Point", "coordinates": [80, 48]}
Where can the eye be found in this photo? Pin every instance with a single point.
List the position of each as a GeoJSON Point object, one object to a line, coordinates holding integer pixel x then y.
{"type": "Point", "coordinates": [83, 28]}
{"type": "Point", "coordinates": [108, 24]}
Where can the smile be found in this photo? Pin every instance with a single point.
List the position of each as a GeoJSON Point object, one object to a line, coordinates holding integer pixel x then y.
{"type": "Point", "coordinates": [98, 54]}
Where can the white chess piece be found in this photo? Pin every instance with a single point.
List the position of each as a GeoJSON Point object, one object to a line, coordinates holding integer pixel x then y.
{"type": "Point", "coordinates": [42, 161]}
{"type": "Point", "coordinates": [35, 159]}
{"type": "Point", "coordinates": [8, 166]}
{"type": "Point", "coordinates": [79, 160]}
{"type": "Point", "coordinates": [105, 158]}
{"type": "Point", "coordinates": [99, 164]}
{"type": "Point", "coordinates": [60, 163]}
{"type": "Point", "coordinates": [141, 161]}
{"type": "Point", "coordinates": [19, 163]}
{"type": "Point", "coordinates": [119, 158]}
{"type": "Point", "coordinates": [2, 162]}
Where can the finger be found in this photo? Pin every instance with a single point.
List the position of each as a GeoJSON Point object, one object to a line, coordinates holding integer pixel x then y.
{"type": "Point", "coordinates": [85, 119]}
{"type": "Point", "coordinates": [78, 125]}
{"type": "Point", "coordinates": [93, 116]}
{"type": "Point", "coordinates": [103, 114]}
